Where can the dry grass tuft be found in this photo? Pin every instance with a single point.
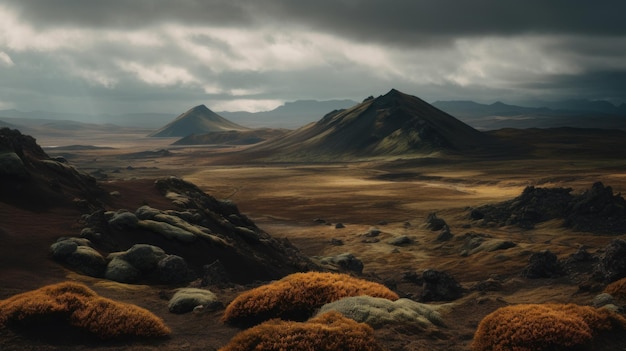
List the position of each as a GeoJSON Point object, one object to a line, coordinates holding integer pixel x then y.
{"type": "Point", "coordinates": [617, 289]}
{"type": "Point", "coordinates": [536, 327]}
{"type": "Point", "coordinates": [80, 307]}
{"type": "Point", "coordinates": [329, 331]}
{"type": "Point", "coordinates": [296, 296]}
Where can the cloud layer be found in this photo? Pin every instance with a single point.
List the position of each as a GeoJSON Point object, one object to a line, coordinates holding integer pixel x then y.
{"type": "Point", "coordinates": [165, 56]}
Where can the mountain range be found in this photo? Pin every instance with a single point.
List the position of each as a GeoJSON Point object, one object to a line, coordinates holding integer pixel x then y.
{"type": "Point", "coordinates": [291, 115]}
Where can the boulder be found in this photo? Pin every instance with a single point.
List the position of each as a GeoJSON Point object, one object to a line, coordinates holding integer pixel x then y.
{"type": "Point", "coordinates": [87, 261]}
{"type": "Point", "coordinates": [187, 299]}
{"type": "Point", "coordinates": [123, 219]}
{"type": "Point", "coordinates": [440, 286]}
{"type": "Point", "coordinates": [401, 241]}
{"type": "Point", "coordinates": [167, 230]}
{"type": "Point", "coordinates": [11, 165]}
{"type": "Point", "coordinates": [612, 265]}
{"type": "Point", "coordinates": [122, 271]}
{"type": "Point", "coordinates": [435, 223]}
{"type": "Point", "coordinates": [378, 312]}
{"type": "Point", "coordinates": [146, 212]}
{"type": "Point", "coordinates": [372, 233]}
{"type": "Point", "coordinates": [543, 264]}
{"type": "Point", "coordinates": [344, 262]}
{"type": "Point", "coordinates": [444, 235]}
{"type": "Point", "coordinates": [172, 269]}
{"type": "Point", "coordinates": [602, 300]}
{"type": "Point", "coordinates": [144, 257]}
{"type": "Point", "coordinates": [62, 249]}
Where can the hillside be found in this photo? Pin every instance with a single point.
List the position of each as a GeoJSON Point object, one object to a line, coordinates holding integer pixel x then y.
{"type": "Point", "coordinates": [392, 124]}
{"type": "Point", "coordinates": [197, 120]}
{"type": "Point", "coordinates": [232, 137]}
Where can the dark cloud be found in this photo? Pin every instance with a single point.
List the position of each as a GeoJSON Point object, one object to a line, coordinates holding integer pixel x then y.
{"type": "Point", "coordinates": [406, 21]}
{"type": "Point", "coordinates": [160, 55]}
{"type": "Point", "coordinates": [130, 13]}
{"type": "Point", "coordinates": [597, 85]}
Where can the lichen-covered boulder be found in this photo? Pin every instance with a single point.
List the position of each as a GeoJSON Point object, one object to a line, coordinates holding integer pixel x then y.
{"type": "Point", "coordinates": [122, 271]}
{"type": "Point", "coordinates": [144, 257]}
{"type": "Point", "coordinates": [87, 261]}
{"type": "Point", "coordinates": [378, 312]}
{"type": "Point", "coordinates": [186, 299]}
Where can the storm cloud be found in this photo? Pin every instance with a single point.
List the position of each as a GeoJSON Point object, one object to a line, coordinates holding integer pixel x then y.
{"type": "Point", "coordinates": [164, 56]}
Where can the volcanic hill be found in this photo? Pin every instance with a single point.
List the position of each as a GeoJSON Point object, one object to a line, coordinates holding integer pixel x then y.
{"type": "Point", "coordinates": [197, 120]}
{"type": "Point", "coordinates": [391, 124]}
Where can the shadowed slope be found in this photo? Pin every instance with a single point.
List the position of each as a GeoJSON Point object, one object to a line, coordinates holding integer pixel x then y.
{"type": "Point", "coordinates": [197, 120]}
{"type": "Point", "coordinates": [392, 124]}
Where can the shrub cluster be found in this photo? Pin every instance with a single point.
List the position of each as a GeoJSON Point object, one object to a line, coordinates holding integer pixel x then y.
{"type": "Point", "coordinates": [329, 331]}
{"type": "Point", "coordinates": [82, 308]}
{"type": "Point", "coordinates": [296, 296]}
{"type": "Point", "coordinates": [617, 289]}
{"type": "Point", "coordinates": [536, 327]}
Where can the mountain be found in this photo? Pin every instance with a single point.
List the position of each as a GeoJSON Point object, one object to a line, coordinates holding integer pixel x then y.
{"type": "Point", "coordinates": [392, 124]}
{"type": "Point", "coordinates": [291, 115]}
{"type": "Point", "coordinates": [197, 120]}
{"type": "Point", "coordinates": [576, 113]}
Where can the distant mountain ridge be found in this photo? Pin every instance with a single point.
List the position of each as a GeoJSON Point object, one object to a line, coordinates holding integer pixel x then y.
{"type": "Point", "coordinates": [391, 124]}
{"type": "Point", "coordinates": [292, 115]}
{"type": "Point", "coordinates": [197, 120]}
{"type": "Point", "coordinates": [575, 113]}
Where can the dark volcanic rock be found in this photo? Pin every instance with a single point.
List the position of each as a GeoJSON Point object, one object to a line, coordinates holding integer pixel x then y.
{"type": "Point", "coordinates": [435, 223]}
{"type": "Point", "coordinates": [196, 231]}
{"type": "Point", "coordinates": [543, 264]}
{"type": "Point", "coordinates": [440, 286]}
{"type": "Point", "coordinates": [597, 210]}
{"type": "Point", "coordinates": [344, 262]}
{"type": "Point", "coordinates": [172, 270]}
{"type": "Point", "coordinates": [444, 235]}
{"type": "Point", "coordinates": [612, 265]}
{"type": "Point", "coordinates": [29, 178]}
{"type": "Point", "coordinates": [534, 205]}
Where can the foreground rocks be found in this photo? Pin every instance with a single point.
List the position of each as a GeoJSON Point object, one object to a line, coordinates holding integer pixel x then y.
{"type": "Point", "coordinates": [31, 179]}
{"type": "Point", "coordinates": [597, 210]}
{"type": "Point", "coordinates": [176, 243]}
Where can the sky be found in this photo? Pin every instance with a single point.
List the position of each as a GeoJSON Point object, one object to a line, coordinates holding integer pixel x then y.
{"type": "Point", "coordinates": [128, 56]}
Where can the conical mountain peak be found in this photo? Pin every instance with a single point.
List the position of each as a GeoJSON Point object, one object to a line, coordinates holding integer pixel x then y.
{"type": "Point", "coordinates": [197, 120]}
{"type": "Point", "coordinates": [391, 124]}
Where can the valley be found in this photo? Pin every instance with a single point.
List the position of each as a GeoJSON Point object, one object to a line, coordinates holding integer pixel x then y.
{"type": "Point", "coordinates": [381, 207]}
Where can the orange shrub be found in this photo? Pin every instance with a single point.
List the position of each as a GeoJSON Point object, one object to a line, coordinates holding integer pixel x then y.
{"type": "Point", "coordinates": [536, 327]}
{"type": "Point", "coordinates": [296, 296]}
{"type": "Point", "coordinates": [329, 331]}
{"type": "Point", "coordinates": [82, 308]}
{"type": "Point", "coordinates": [617, 289]}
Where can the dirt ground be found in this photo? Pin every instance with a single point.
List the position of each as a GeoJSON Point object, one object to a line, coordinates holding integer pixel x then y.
{"type": "Point", "coordinates": [395, 196]}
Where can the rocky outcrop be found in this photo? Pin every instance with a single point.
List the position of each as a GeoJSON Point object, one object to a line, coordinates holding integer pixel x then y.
{"type": "Point", "coordinates": [345, 262]}
{"type": "Point", "coordinates": [612, 264]}
{"type": "Point", "coordinates": [196, 231]}
{"type": "Point", "coordinates": [440, 286]}
{"type": "Point", "coordinates": [29, 178]}
{"type": "Point", "coordinates": [597, 210]}
{"type": "Point", "coordinates": [543, 264]}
